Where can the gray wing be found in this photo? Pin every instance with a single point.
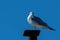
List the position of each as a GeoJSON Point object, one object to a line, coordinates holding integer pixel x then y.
{"type": "Point", "coordinates": [41, 22]}
{"type": "Point", "coordinates": [38, 21]}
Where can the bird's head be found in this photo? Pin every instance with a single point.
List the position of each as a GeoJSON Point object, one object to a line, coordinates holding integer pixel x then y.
{"type": "Point", "coordinates": [31, 13]}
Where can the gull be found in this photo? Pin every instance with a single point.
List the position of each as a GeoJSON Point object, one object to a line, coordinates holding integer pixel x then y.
{"type": "Point", "coordinates": [37, 22]}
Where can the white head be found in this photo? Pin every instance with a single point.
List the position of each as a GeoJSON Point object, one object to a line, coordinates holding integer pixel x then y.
{"type": "Point", "coordinates": [31, 13]}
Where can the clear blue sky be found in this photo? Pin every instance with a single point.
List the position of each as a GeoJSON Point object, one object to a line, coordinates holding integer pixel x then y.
{"type": "Point", "coordinates": [13, 14]}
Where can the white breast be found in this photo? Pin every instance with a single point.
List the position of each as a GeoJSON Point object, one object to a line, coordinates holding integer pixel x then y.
{"type": "Point", "coordinates": [29, 19]}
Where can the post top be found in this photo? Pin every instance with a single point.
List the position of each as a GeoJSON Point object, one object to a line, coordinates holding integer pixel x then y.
{"type": "Point", "coordinates": [31, 33]}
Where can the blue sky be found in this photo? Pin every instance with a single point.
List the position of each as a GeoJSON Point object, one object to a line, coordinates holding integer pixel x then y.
{"type": "Point", "coordinates": [13, 22]}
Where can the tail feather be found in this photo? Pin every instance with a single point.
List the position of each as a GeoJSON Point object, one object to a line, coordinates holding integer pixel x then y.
{"type": "Point", "coordinates": [51, 28]}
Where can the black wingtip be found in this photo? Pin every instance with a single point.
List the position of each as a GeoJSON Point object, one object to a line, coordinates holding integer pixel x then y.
{"type": "Point", "coordinates": [51, 29]}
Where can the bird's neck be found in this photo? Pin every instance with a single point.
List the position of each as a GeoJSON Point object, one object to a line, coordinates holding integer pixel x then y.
{"type": "Point", "coordinates": [29, 17]}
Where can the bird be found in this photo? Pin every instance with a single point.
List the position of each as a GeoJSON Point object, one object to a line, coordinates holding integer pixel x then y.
{"type": "Point", "coordinates": [37, 22]}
